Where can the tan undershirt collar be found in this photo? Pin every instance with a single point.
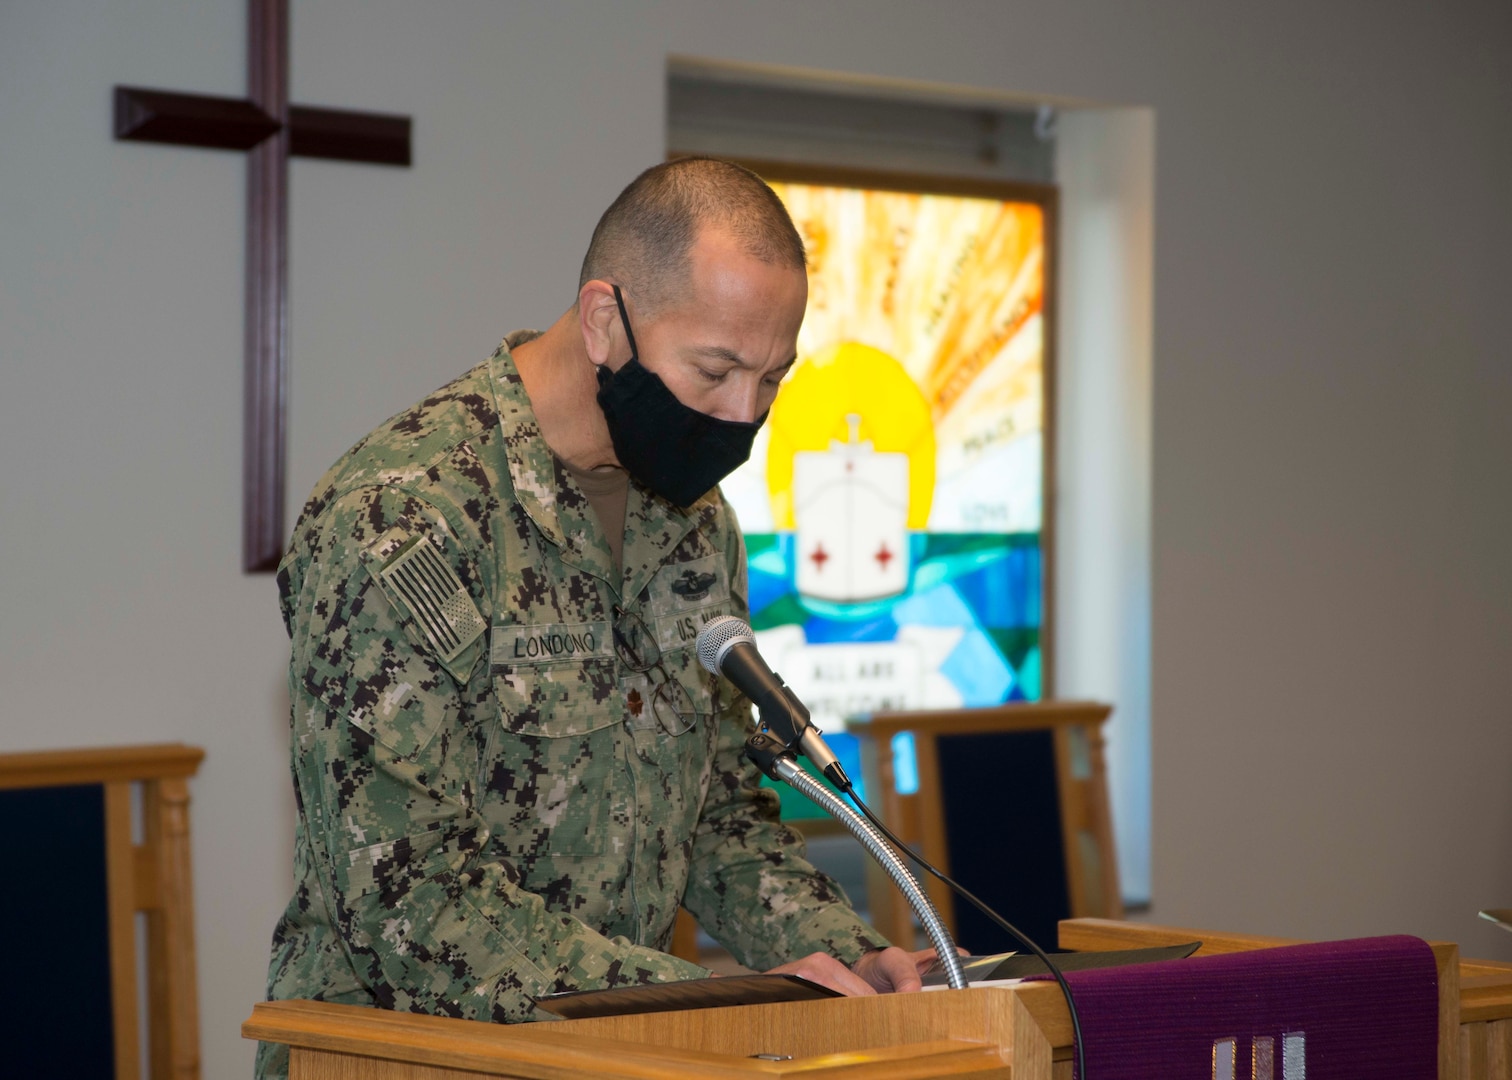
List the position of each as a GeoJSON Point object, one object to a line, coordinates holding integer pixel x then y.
{"type": "Point", "coordinates": [608, 490]}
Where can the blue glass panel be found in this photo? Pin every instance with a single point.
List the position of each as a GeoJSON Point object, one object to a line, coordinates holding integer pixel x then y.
{"type": "Point", "coordinates": [766, 588]}
{"type": "Point", "coordinates": [940, 606]}
{"type": "Point", "coordinates": [905, 764]}
{"type": "Point", "coordinates": [978, 670]}
{"type": "Point", "coordinates": [818, 631]}
{"type": "Point", "coordinates": [1005, 592]}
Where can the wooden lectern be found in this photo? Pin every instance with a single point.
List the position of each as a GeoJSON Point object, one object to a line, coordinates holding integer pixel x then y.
{"type": "Point", "coordinates": [1023, 1033]}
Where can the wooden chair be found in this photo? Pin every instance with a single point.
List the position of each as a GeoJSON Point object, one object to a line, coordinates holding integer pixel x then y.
{"type": "Point", "coordinates": [1012, 801]}
{"type": "Point", "coordinates": [1037, 844]}
{"type": "Point", "coordinates": [74, 810]}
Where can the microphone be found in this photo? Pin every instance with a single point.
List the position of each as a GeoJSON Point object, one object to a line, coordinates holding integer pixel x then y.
{"type": "Point", "coordinates": [727, 647]}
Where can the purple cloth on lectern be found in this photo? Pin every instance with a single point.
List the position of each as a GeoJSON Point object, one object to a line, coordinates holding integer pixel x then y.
{"type": "Point", "coordinates": [1362, 1008]}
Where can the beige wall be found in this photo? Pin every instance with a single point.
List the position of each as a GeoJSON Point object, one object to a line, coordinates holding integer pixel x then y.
{"type": "Point", "coordinates": [1331, 593]}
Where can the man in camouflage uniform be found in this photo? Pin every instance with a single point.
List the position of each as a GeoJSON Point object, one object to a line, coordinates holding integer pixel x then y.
{"type": "Point", "coordinates": [510, 768]}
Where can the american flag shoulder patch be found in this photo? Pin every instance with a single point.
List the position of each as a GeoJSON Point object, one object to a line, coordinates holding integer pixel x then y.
{"type": "Point", "coordinates": [419, 581]}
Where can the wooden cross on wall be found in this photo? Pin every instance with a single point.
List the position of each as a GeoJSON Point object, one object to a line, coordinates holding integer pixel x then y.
{"type": "Point", "coordinates": [270, 129]}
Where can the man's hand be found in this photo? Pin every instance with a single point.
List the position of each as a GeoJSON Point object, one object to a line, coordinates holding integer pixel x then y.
{"type": "Point", "coordinates": [882, 971]}
{"type": "Point", "coordinates": [893, 971]}
{"type": "Point", "coordinates": [825, 970]}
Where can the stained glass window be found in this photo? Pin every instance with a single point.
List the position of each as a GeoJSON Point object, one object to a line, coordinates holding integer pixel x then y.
{"type": "Point", "coordinates": [893, 506]}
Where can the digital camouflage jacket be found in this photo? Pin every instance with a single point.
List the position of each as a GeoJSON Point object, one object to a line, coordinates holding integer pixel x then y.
{"type": "Point", "coordinates": [489, 807]}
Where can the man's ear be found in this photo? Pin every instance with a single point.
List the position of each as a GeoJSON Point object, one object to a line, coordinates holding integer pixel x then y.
{"type": "Point", "coordinates": [599, 322]}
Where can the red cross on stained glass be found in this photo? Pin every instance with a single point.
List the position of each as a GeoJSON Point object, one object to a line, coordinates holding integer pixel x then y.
{"type": "Point", "coordinates": [819, 557]}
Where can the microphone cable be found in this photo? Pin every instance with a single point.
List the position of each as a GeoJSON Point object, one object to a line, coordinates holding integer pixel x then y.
{"type": "Point", "coordinates": [966, 894]}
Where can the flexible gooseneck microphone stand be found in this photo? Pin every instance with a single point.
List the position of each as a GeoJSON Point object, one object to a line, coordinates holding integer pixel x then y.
{"type": "Point", "coordinates": [784, 723]}
{"type": "Point", "coordinates": [774, 759]}
{"type": "Point", "coordinates": [726, 646]}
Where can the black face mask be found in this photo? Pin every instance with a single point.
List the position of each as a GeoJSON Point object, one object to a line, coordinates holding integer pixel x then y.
{"type": "Point", "coordinates": [677, 452]}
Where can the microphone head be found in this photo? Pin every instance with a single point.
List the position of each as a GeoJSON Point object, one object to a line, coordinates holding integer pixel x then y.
{"type": "Point", "coordinates": [718, 637]}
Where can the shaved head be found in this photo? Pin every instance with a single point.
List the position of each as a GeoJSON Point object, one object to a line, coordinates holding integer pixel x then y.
{"type": "Point", "coordinates": [644, 240]}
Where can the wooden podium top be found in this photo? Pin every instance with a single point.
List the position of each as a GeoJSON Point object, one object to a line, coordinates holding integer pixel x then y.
{"type": "Point", "coordinates": [1023, 1032]}
{"type": "Point", "coordinates": [877, 1038]}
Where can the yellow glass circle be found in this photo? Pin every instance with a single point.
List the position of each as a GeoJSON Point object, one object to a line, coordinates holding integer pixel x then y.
{"type": "Point", "coordinates": [812, 410]}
